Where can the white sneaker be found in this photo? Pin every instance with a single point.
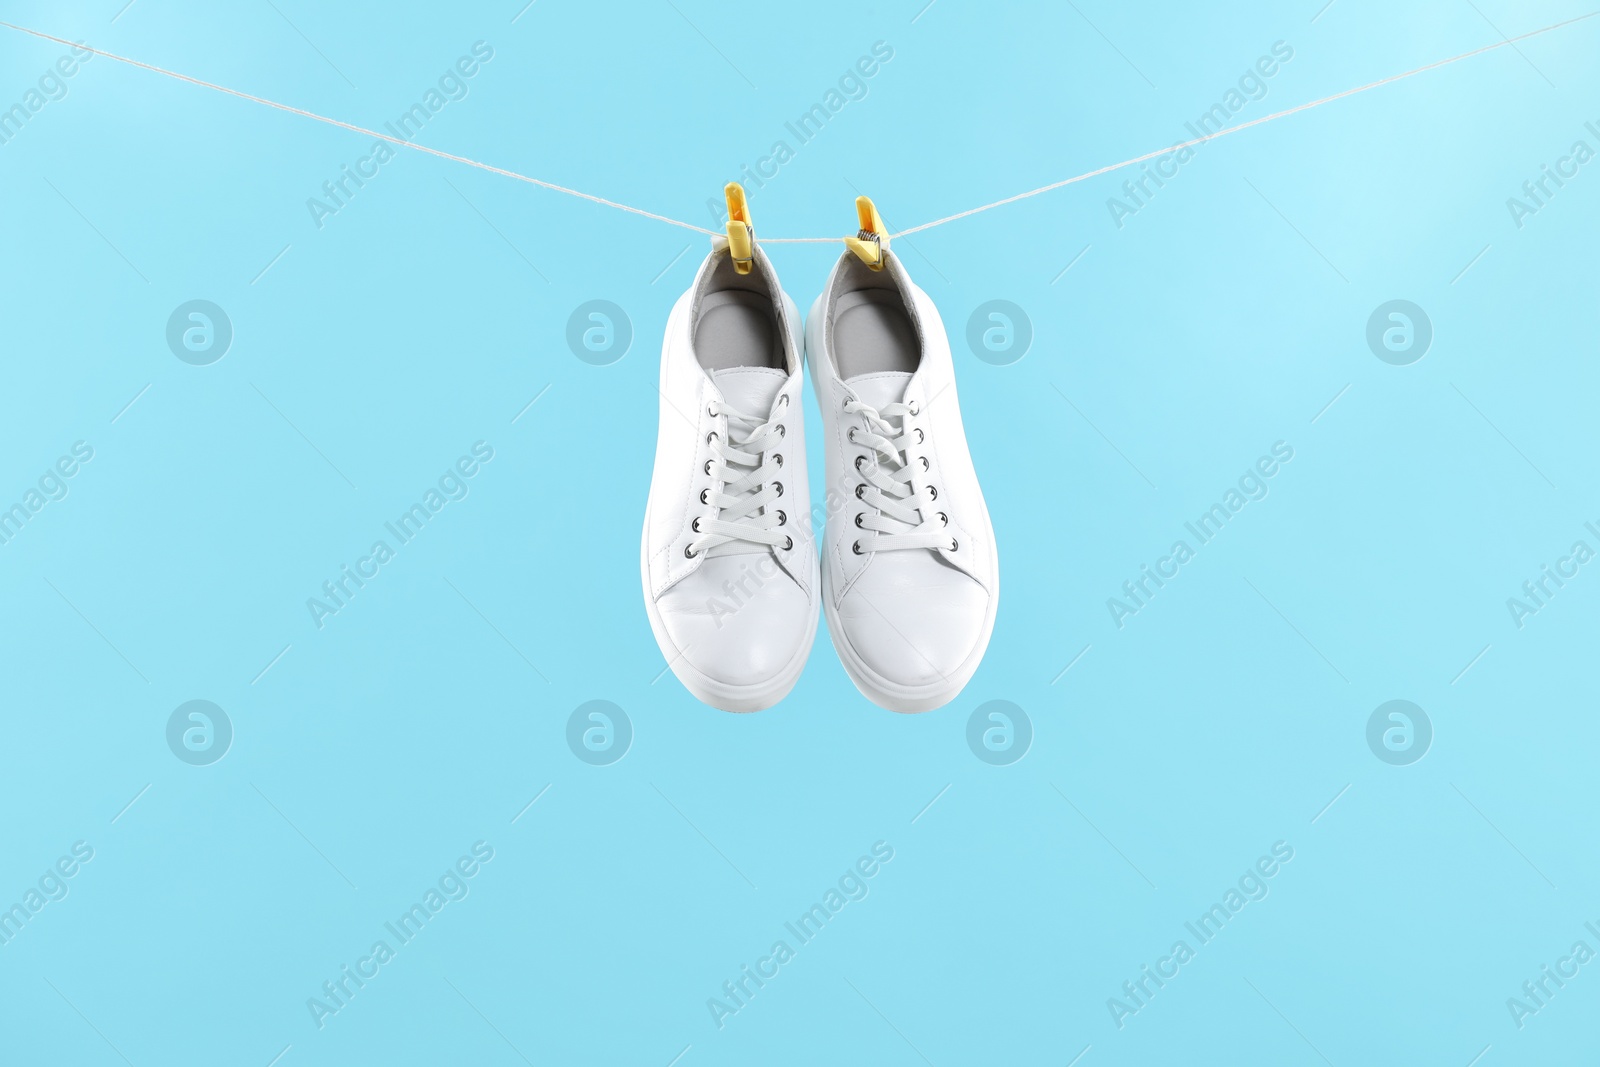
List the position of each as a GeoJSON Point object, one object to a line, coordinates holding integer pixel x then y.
{"type": "Point", "coordinates": [910, 576]}
{"type": "Point", "coordinates": [730, 577]}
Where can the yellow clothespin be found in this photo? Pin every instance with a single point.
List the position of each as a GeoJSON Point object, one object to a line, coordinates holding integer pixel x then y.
{"type": "Point", "coordinates": [871, 243]}
{"type": "Point", "coordinates": [741, 235]}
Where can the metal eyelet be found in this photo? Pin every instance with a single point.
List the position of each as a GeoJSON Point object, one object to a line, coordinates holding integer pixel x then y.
{"type": "Point", "coordinates": [860, 489]}
{"type": "Point", "coordinates": [914, 408]}
{"type": "Point", "coordinates": [944, 520]}
{"type": "Point", "coordinates": [788, 543]}
{"type": "Point", "coordinates": [777, 457]}
{"type": "Point", "coordinates": [686, 553]}
{"type": "Point", "coordinates": [782, 432]}
{"type": "Point", "coordinates": [711, 410]}
{"type": "Point", "coordinates": [783, 401]}
{"type": "Point", "coordinates": [695, 525]}
{"type": "Point", "coordinates": [924, 461]}
{"type": "Point", "coordinates": [712, 436]}
{"type": "Point", "coordinates": [933, 494]}
{"type": "Point", "coordinates": [858, 461]}
{"type": "Point", "coordinates": [703, 494]}
{"type": "Point", "coordinates": [856, 548]}
{"type": "Point", "coordinates": [851, 436]}
{"type": "Point", "coordinates": [708, 466]}
{"type": "Point", "coordinates": [954, 544]}
{"type": "Point", "coordinates": [859, 516]}
{"type": "Point", "coordinates": [779, 487]}
{"type": "Point", "coordinates": [783, 520]}
{"type": "Point", "coordinates": [918, 431]}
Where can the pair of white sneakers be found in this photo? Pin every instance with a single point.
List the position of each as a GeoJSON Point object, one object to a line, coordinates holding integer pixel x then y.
{"type": "Point", "coordinates": [908, 574]}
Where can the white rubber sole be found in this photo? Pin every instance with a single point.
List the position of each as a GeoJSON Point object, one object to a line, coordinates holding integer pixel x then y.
{"type": "Point", "coordinates": [740, 699]}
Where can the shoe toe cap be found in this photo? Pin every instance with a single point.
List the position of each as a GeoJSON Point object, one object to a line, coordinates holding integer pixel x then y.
{"type": "Point", "coordinates": [914, 633]}
{"type": "Point", "coordinates": [741, 633]}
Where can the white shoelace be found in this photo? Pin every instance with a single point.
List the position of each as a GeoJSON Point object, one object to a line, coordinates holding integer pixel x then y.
{"type": "Point", "coordinates": [905, 515]}
{"type": "Point", "coordinates": [746, 464]}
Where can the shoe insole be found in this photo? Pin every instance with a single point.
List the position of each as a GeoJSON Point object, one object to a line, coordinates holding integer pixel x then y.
{"type": "Point", "coordinates": [737, 328]}
{"type": "Point", "coordinates": [872, 334]}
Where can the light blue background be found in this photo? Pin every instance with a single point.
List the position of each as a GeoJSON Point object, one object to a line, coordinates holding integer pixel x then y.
{"type": "Point", "coordinates": [370, 353]}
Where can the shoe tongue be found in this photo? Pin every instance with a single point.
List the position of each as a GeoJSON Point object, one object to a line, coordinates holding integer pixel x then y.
{"type": "Point", "coordinates": [750, 390]}
{"type": "Point", "coordinates": [880, 389]}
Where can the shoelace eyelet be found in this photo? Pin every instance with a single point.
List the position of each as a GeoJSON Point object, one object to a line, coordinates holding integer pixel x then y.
{"type": "Point", "coordinates": [924, 461]}
{"type": "Point", "coordinates": [851, 436]}
{"type": "Point", "coordinates": [731, 466]}
{"type": "Point", "coordinates": [944, 520]}
{"type": "Point", "coordinates": [856, 548]}
{"type": "Point", "coordinates": [860, 491]}
{"type": "Point", "coordinates": [954, 544]}
{"type": "Point", "coordinates": [912, 405]}
{"type": "Point", "coordinates": [859, 516]}
{"type": "Point", "coordinates": [858, 461]}
{"type": "Point", "coordinates": [918, 431]}
{"type": "Point", "coordinates": [933, 494]}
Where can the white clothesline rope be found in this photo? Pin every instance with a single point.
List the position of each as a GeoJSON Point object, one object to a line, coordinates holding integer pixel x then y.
{"type": "Point", "coordinates": [1508, 42]}
{"type": "Point", "coordinates": [363, 130]}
